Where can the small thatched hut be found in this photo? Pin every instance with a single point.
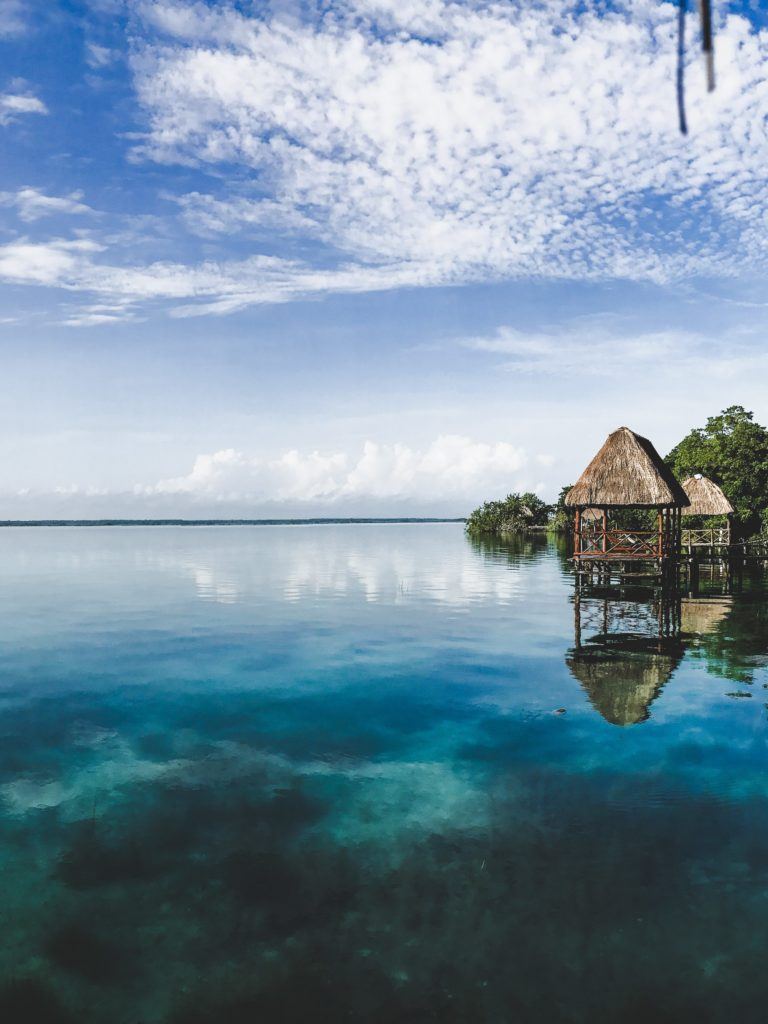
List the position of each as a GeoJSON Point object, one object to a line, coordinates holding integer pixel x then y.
{"type": "Point", "coordinates": [626, 473]}
{"type": "Point", "coordinates": [622, 684]}
{"type": "Point", "coordinates": [706, 499]}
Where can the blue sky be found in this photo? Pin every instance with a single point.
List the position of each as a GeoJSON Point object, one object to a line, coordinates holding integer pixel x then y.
{"type": "Point", "coordinates": [366, 257]}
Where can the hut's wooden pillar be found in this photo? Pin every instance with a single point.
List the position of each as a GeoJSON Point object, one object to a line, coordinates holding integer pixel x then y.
{"type": "Point", "coordinates": [577, 533]}
{"type": "Point", "coordinates": [660, 541]}
{"type": "Point", "coordinates": [677, 522]}
{"type": "Point", "coordinates": [605, 531]}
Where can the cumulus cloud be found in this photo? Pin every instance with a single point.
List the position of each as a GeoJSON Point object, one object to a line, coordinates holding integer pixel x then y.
{"type": "Point", "coordinates": [32, 204]}
{"type": "Point", "coordinates": [14, 105]}
{"type": "Point", "coordinates": [450, 467]}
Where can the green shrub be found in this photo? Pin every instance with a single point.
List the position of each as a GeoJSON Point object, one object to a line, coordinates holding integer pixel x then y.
{"type": "Point", "coordinates": [513, 514]}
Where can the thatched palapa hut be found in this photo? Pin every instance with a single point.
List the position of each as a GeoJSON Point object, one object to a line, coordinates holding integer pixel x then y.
{"type": "Point", "coordinates": [627, 473]}
{"type": "Point", "coordinates": [707, 499]}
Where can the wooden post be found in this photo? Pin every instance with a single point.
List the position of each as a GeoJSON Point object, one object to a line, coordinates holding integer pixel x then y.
{"type": "Point", "coordinates": [605, 531]}
{"type": "Point", "coordinates": [577, 533]}
{"type": "Point", "coordinates": [660, 521]}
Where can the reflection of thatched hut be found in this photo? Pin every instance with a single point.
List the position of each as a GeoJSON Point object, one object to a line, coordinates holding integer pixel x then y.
{"type": "Point", "coordinates": [626, 473]}
{"type": "Point", "coordinates": [703, 615]}
{"type": "Point", "coordinates": [706, 499]}
{"type": "Point", "coordinates": [622, 684]}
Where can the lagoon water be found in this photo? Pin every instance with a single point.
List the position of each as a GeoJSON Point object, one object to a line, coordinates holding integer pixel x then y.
{"type": "Point", "coordinates": [361, 773]}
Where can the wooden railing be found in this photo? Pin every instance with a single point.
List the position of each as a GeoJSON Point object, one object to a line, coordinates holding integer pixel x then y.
{"type": "Point", "coordinates": [627, 543]}
{"type": "Point", "coordinates": [712, 537]}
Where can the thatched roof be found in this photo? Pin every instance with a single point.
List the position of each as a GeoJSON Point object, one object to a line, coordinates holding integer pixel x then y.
{"type": "Point", "coordinates": [627, 472]}
{"type": "Point", "coordinates": [706, 498]}
{"type": "Point", "coordinates": [622, 684]}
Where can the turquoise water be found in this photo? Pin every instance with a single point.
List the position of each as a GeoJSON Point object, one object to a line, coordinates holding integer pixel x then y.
{"type": "Point", "coordinates": [365, 773]}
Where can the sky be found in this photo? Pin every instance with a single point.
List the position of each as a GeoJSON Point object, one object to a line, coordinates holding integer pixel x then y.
{"type": "Point", "coordinates": [367, 257]}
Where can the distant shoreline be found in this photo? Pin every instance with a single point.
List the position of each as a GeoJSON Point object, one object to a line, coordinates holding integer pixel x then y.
{"type": "Point", "coordinates": [219, 522]}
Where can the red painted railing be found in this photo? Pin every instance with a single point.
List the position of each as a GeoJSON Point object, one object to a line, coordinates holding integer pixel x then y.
{"type": "Point", "coordinates": [627, 543]}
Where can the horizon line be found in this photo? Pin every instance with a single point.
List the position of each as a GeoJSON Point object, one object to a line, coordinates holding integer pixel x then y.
{"type": "Point", "coordinates": [318, 521]}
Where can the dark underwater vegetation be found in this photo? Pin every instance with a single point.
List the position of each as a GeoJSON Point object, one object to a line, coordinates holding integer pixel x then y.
{"type": "Point", "coordinates": [365, 773]}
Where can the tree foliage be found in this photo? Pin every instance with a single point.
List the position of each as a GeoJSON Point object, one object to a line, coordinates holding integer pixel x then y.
{"type": "Point", "coordinates": [732, 450]}
{"type": "Point", "coordinates": [562, 516]}
{"type": "Point", "coordinates": [512, 514]}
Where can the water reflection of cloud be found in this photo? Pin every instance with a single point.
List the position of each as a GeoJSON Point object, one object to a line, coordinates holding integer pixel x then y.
{"type": "Point", "coordinates": [210, 587]}
{"type": "Point", "coordinates": [397, 575]}
{"type": "Point", "coordinates": [376, 563]}
{"type": "Point", "coordinates": [391, 564]}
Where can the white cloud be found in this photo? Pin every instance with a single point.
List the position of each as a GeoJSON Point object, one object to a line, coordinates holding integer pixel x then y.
{"type": "Point", "coordinates": [209, 287]}
{"type": "Point", "coordinates": [54, 263]}
{"type": "Point", "coordinates": [14, 105]}
{"type": "Point", "coordinates": [450, 467]}
{"type": "Point", "coordinates": [99, 314]}
{"type": "Point", "coordinates": [204, 214]}
{"type": "Point", "coordinates": [414, 144]}
{"type": "Point", "coordinates": [12, 20]}
{"type": "Point", "coordinates": [515, 141]}
{"type": "Point", "coordinates": [97, 57]}
{"type": "Point", "coordinates": [32, 204]}
{"type": "Point", "coordinates": [603, 347]}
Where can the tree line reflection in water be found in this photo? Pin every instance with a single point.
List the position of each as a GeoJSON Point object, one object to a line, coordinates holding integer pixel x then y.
{"type": "Point", "coordinates": [629, 640]}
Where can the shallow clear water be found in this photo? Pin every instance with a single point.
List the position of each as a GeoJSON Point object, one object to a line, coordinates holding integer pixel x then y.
{"type": "Point", "coordinates": [362, 773]}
